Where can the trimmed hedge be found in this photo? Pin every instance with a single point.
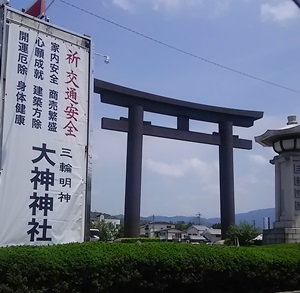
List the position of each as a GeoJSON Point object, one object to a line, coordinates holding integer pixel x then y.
{"type": "Point", "coordinates": [136, 240]}
{"type": "Point", "coordinates": [149, 267]}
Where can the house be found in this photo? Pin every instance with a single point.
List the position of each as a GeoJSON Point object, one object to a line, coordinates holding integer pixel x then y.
{"type": "Point", "coordinates": [212, 235]}
{"type": "Point", "coordinates": [196, 230]}
{"type": "Point", "coordinates": [171, 234]}
{"type": "Point", "coordinates": [202, 234]}
{"type": "Point", "coordinates": [149, 229]}
{"type": "Point", "coordinates": [116, 223]}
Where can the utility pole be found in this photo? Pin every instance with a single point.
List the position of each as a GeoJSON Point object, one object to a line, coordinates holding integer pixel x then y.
{"type": "Point", "coordinates": [198, 216]}
{"type": "Point", "coordinates": [153, 226]}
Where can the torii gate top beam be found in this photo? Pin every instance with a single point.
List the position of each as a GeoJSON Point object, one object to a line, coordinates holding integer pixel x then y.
{"type": "Point", "coordinates": [126, 97]}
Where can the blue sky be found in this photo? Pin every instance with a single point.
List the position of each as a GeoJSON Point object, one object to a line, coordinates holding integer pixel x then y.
{"type": "Point", "coordinates": [259, 38]}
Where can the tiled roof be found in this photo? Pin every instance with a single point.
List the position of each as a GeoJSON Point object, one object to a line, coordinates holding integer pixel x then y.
{"type": "Point", "coordinates": [200, 227]}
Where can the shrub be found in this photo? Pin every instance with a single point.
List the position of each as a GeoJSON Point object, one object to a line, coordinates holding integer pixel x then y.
{"type": "Point", "coordinates": [149, 267]}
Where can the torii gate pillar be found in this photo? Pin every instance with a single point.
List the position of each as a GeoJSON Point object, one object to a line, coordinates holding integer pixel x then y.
{"type": "Point", "coordinates": [226, 177]}
{"type": "Point", "coordinates": [133, 171]}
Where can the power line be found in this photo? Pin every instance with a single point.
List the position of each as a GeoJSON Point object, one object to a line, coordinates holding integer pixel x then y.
{"type": "Point", "coordinates": [49, 5]}
{"type": "Point", "coordinates": [180, 50]}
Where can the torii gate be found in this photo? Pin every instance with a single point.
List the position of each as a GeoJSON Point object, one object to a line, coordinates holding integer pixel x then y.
{"type": "Point", "coordinates": [139, 102]}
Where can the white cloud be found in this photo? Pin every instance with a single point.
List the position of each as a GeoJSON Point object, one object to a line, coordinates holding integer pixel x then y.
{"type": "Point", "coordinates": [279, 12]}
{"type": "Point", "coordinates": [211, 8]}
{"type": "Point", "coordinates": [218, 7]}
{"type": "Point", "coordinates": [168, 5]}
{"type": "Point", "coordinates": [194, 165]}
{"type": "Point", "coordinates": [126, 5]}
{"type": "Point", "coordinates": [258, 159]}
{"type": "Point", "coordinates": [172, 170]}
{"type": "Point", "coordinates": [171, 5]}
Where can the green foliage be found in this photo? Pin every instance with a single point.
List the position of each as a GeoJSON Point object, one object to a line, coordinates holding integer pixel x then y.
{"type": "Point", "coordinates": [120, 232]}
{"type": "Point", "coordinates": [138, 239]}
{"type": "Point", "coordinates": [149, 267]}
{"type": "Point", "coordinates": [190, 224]}
{"type": "Point", "coordinates": [216, 226]}
{"type": "Point", "coordinates": [181, 225]}
{"type": "Point", "coordinates": [108, 232]}
{"type": "Point", "coordinates": [244, 233]}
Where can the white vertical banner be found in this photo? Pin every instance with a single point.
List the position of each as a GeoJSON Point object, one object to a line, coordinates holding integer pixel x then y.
{"type": "Point", "coordinates": [45, 133]}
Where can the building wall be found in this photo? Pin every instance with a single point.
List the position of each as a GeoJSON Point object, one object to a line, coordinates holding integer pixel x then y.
{"type": "Point", "coordinates": [212, 235]}
{"type": "Point", "coordinates": [151, 228]}
{"type": "Point", "coordinates": [196, 230]}
{"type": "Point", "coordinates": [170, 235]}
{"type": "Point", "coordinates": [115, 222]}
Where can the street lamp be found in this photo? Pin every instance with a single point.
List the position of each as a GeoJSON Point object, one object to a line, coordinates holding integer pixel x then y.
{"type": "Point", "coordinates": [288, 142]}
{"type": "Point", "coordinates": [285, 139]}
{"type": "Point", "coordinates": [106, 60]}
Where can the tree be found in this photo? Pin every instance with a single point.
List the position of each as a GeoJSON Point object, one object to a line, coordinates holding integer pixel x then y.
{"type": "Point", "coordinates": [190, 224]}
{"type": "Point", "coordinates": [120, 233]}
{"type": "Point", "coordinates": [216, 226]}
{"type": "Point", "coordinates": [243, 234]}
{"type": "Point", "coordinates": [181, 225]}
{"type": "Point", "coordinates": [108, 231]}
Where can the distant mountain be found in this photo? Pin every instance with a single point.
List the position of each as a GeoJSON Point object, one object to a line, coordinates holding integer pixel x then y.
{"type": "Point", "coordinates": [175, 219]}
{"type": "Point", "coordinates": [255, 217]}
{"type": "Point", "coordinates": [252, 217]}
